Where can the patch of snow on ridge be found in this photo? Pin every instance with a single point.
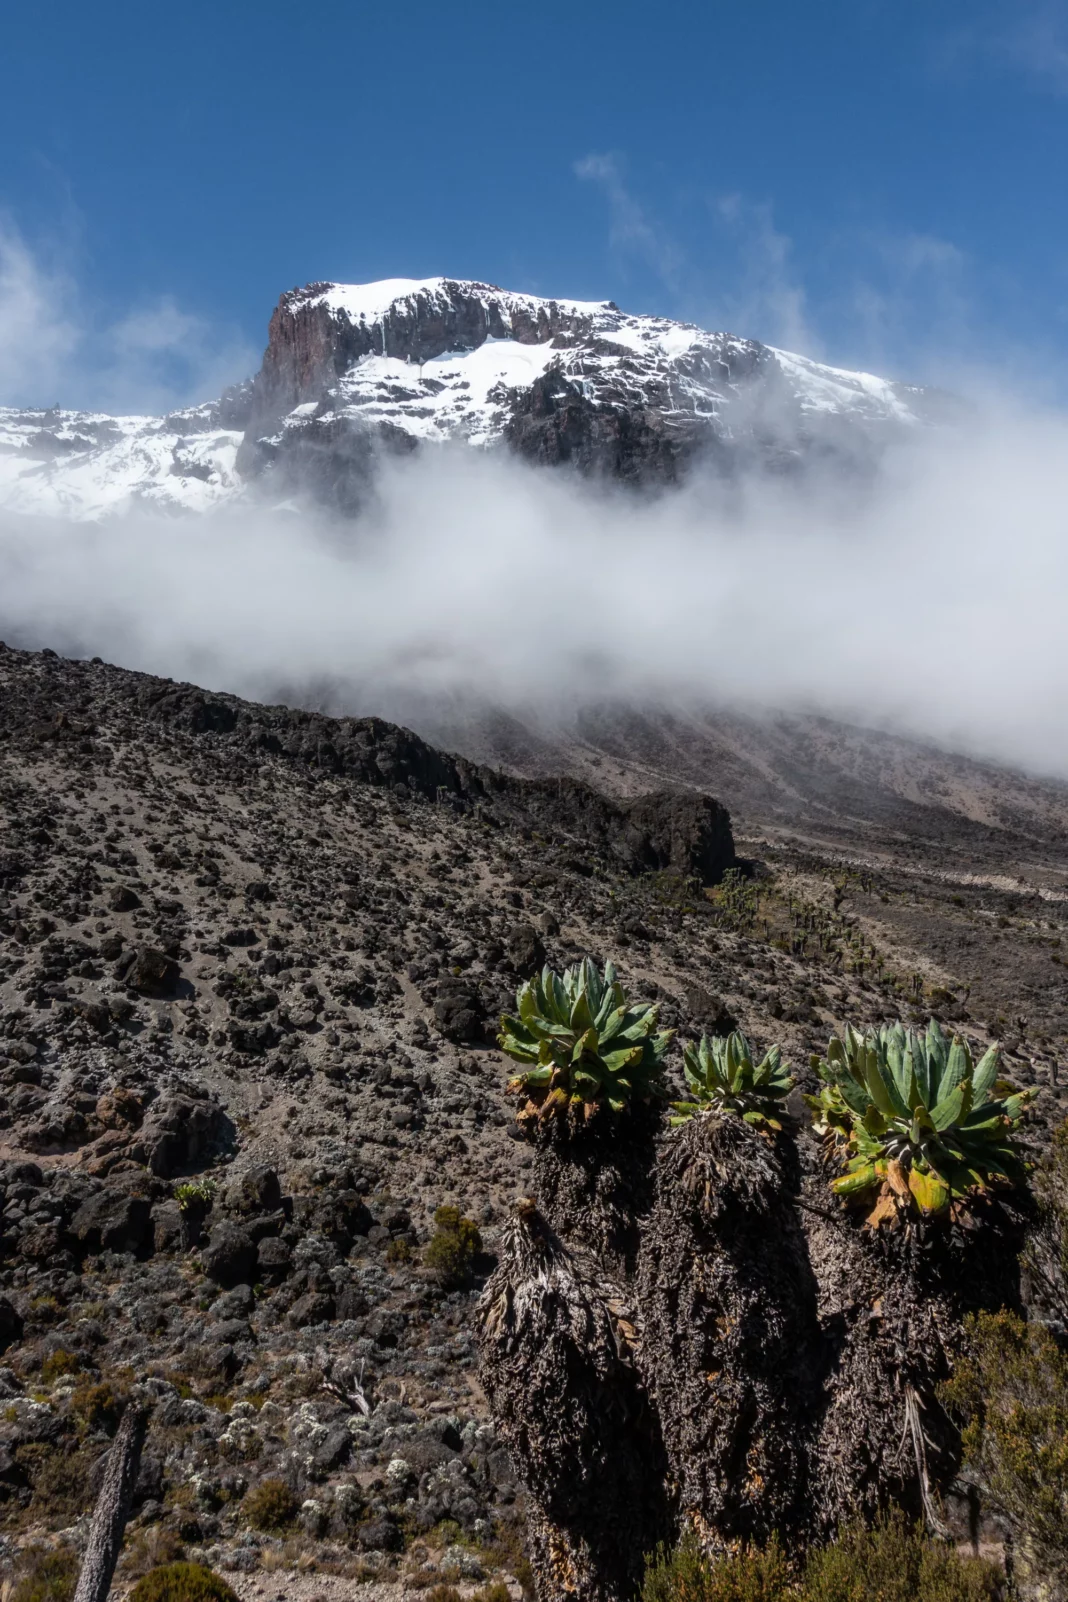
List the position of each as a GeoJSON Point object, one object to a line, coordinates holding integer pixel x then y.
{"type": "Point", "coordinates": [87, 465]}
{"type": "Point", "coordinates": [371, 302]}
{"type": "Point", "coordinates": [446, 397]}
{"type": "Point", "coordinates": [836, 389]}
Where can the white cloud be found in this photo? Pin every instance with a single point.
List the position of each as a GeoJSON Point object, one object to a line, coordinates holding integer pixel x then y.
{"type": "Point", "coordinates": [38, 331]}
{"type": "Point", "coordinates": [632, 232]}
{"type": "Point", "coordinates": [769, 302]}
{"type": "Point", "coordinates": [1022, 36]}
{"type": "Point", "coordinates": [931, 601]}
{"type": "Point", "coordinates": [55, 349]}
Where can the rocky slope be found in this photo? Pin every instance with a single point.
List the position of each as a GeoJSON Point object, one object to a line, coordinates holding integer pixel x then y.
{"type": "Point", "coordinates": [261, 951]}
{"type": "Point", "coordinates": [351, 371]}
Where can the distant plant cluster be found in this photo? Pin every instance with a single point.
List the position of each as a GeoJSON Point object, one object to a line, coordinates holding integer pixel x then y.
{"type": "Point", "coordinates": [913, 1124]}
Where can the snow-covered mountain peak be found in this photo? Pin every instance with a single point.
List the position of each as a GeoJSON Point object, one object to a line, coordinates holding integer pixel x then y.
{"type": "Point", "coordinates": [354, 368]}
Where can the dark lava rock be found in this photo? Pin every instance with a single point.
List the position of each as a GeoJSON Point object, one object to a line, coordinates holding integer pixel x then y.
{"type": "Point", "coordinates": [334, 1451]}
{"type": "Point", "coordinates": [256, 1191]}
{"type": "Point", "coordinates": [149, 971]}
{"type": "Point", "coordinates": [112, 1221]}
{"type": "Point", "coordinates": [179, 1131]}
{"type": "Point", "coordinates": [10, 1324]}
{"type": "Point", "coordinates": [229, 1258]}
{"type": "Point", "coordinates": [123, 899]}
{"type": "Point", "coordinates": [378, 1535]}
{"type": "Point", "coordinates": [458, 1011]}
{"type": "Point", "coordinates": [525, 950]}
{"type": "Point", "coordinates": [273, 1259]}
{"type": "Point", "coordinates": [312, 1308]}
{"type": "Point", "coordinates": [682, 832]}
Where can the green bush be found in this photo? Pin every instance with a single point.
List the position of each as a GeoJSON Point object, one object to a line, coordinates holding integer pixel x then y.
{"type": "Point", "coordinates": [182, 1582]}
{"type": "Point", "coordinates": [453, 1247]}
{"type": "Point", "coordinates": [896, 1562]}
{"type": "Point", "coordinates": [891, 1563]}
{"type": "Point", "coordinates": [686, 1575]}
{"type": "Point", "coordinates": [1010, 1394]}
{"type": "Point", "coordinates": [1046, 1256]}
{"type": "Point", "coordinates": [194, 1195]}
{"type": "Point", "coordinates": [60, 1365]}
{"type": "Point", "coordinates": [98, 1406]}
{"type": "Point", "coordinates": [270, 1505]}
{"type": "Point", "coordinates": [920, 1126]}
{"type": "Point", "coordinates": [45, 1574]}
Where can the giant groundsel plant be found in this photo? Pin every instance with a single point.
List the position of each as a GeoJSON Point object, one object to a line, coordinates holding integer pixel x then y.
{"type": "Point", "coordinates": [583, 1044]}
{"type": "Point", "coordinates": [921, 1126]}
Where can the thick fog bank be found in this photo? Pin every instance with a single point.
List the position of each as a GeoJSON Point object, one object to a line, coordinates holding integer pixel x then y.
{"type": "Point", "coordinates": [933, 601]}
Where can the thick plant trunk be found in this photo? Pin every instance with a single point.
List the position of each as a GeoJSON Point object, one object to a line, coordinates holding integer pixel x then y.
{"type": "Point", "coordinates": [729, 1351]}
{"type": "Point", "coordinates": [556, 1361]}
{"type": "Point", "coordinates": [112, 1507]}
{"type": "Point", "coordinates": [594, 1184]}
{"type": "Point", "coordinates": [891, 1311]}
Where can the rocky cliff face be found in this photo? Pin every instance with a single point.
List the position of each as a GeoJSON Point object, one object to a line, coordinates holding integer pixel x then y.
{"type": "Point", "coordinates": [351, 371]}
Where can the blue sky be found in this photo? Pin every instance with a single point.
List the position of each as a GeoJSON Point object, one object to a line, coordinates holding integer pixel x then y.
{"type": "Point", "coordinates": [876, 182]}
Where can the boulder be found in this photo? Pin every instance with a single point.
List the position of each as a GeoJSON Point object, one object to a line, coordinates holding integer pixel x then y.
{"type": "Point", "coordinates": [147, 970]}
{"type": "Point", "coordinates": [679, 831]}
{"type": "Point", "coordinates": [525, 950]}
{"type": "Point", "coordinates": [10, 1324]}
{"type": "Point", "coordinates": [112, 1221]}
{"type": "Point", "coordinates": [458, 1011]}
{"type": "Point", "coordinates": [229, 1258]}
{"type": "Point", "coordinates": [180, 1131]}
{"type": "Point", "coordinates": [257, 1190]}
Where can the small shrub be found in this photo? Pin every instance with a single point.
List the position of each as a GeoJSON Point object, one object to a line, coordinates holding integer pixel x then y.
{"type": "Point", "coordinates": [398, 1251]}
{"type": "Point", "coordinates": [45, 1309]}
{"type": "Point", "coordinates": [59, 1365]}
{"type": "Point", "coordinates": [1010, 1393]}
{"type": "Point", "coordinates": [45, 1574]}
{"type": "Point", "coordinates": [270, 1505]}
{"type": "Point", "coordinates": [453, 1247]}
{"type": "Point", "coordinates": [893, 1562]}
{"type": "Point", "coordinates": [686, 1575]}
{"type": "Point", "coordinates": [182, 1582]}
{"type": "Point", "coordinates": [59, 1479]}
{"type": "Point", "coordinates": [443, 1593]}
{"type": "Point", "coordinates": [98, 1406]}
{"type": "Point", "coordinates": [149, 1549]}
{"type": "Point", "coordinates": [896, 1562]}
{"type": "Point", "coordinates": [495, 1591]}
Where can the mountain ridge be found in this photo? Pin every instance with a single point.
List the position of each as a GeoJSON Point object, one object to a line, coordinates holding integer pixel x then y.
{"type": "Point", "coordinates": [354, 371]}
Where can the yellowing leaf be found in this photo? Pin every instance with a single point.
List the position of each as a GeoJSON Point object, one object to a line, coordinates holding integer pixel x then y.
{"type": "Point", "coordinates": [931, 1192]}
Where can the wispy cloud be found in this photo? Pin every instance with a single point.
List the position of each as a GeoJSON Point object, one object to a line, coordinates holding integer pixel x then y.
{"type": "Point", "coordinates": [632, 230]}
{"type": "Point", "coordinates": [769, 299]}
{"type": "Point", "coordinates": [754, 289]}
{"type": "Point", "coordinates": [958, 539]}
{"type": "Point", "coordinates": [55, 349]}
{"type": "Point", "coordinates": [38, 331]}
{"type": "Point", "coordinates": [1024, 36]}
{"type": "Point", "coordinates": [1037, 42]}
